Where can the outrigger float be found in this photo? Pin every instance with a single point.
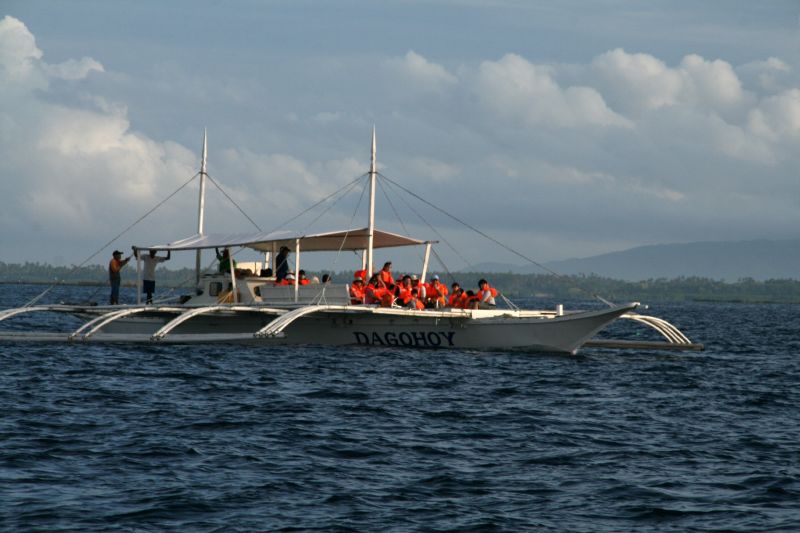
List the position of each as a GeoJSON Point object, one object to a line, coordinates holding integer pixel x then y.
{"type": "Point", "coordinates": [251, 309]}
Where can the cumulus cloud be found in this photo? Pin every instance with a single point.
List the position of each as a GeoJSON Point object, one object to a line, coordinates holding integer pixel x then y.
{"type": "Point", "coordinates": [641, 82]}
{"type": "Point", "coordinates": [416, 73]}
{"type": "Point", "coordinates": [622, 147]}
{"type": "Point", "coordinates": [517, 90]}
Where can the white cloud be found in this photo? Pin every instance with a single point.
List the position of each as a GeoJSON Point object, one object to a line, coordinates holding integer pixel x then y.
{"type": "Point", "coordinates": [19, 56]}
{"type": "Point", "coordinates": [518, 91]}
{"type": "Point", "coordinates": [771, 74]}
{"type": "Point", "coordinates": [21, 60]}
{"type": "Point", "coordinates": [418, 74]}
{"type": "Point", "coordinates": [74, 70]}
{"type": "Point", "coordinates": [777, 118]}
{"type": "Point", "coordinates": [640, 82]}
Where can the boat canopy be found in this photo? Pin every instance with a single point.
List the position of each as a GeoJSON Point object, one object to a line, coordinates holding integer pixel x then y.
{"type": "Point", "coordinates": [353, 239]}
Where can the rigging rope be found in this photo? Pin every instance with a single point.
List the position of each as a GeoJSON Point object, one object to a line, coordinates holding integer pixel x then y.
{"type": "Point", "coordinates": [433, 229]}
{"type": "Point", "coordinates": [479, 232]}
{"type": "Point", "coordinates": [473, 228]}
{"type": "Point", "coordinates": [123, 232]}
{"type": "Point", "coordinates": [218, 186]}
{"type": "Point", "coordinates": [316, 204]}
{"type": "Point", "coordinates": [383, 190]}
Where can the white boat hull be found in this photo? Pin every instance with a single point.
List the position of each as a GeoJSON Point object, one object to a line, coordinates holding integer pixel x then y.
{"type": "Point", "coordinates": [529, 331]}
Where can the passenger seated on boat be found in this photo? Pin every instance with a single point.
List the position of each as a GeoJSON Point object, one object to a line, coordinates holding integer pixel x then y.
{"type": "Point", "coordinates": [266, 272]}
{"type": "Point", "coordinates": [486, 295]}
{"type": "Point", "coordinates": [326, 278]}
{"type": "Point", "coordinates": [386, 275]}
{"type": "Point", "coordinates": [375, 290]}
{"type": "Point", "coordinates": [458, 298]}
{"type": "Point", "coordinates": [415, 302]}
{"type": "Point", "coordinates": [419, 286]}
{"type": "Point", "coordinates": [302, 279]}
{"type": "Point", "coordinates": [288, 280]}
{"type": "Point", "coordinates": [403, 290]}
{"type": "Point", "coordinates": [435, 293]}
{"type": "Point", "coordinates": [471, 301]}
{"type": "Point", "coordinates": [357, 291]}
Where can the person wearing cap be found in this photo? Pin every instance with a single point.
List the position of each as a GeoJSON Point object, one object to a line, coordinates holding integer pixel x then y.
{"type": "Point", "coordinates": [287, 280]}
{"type": "Point", "coordinates": [149, 264]}
{"type": "Point", "coordinates": [435, 293]}
{"type": "Point", "coordinates": [114, 276]}
{"type": "Point", "coordinates": [282, 264]}
{"type": "Point", "coordinates": [357, 291]}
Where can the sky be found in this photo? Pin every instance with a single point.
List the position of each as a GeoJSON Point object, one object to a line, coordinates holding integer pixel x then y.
{"type": "Point", "coordinates": [560, 129]}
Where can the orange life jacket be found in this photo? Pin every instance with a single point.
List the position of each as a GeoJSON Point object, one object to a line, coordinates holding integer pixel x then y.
{"type": "Point", "coordinates": [403, 294]}
{"type": "Point", "coordinates": [387, 298]}
{"type": "Point", "coordinates": [305, 281]}
{"type": "Point", "coordinates": [457, 300]}
{"type": "Point", "coordinates": [387, 278]}
{"type": "Point", "coordinates": [374, 295]}
{"type": "Point", "coordinates": [489, 289]}
{"type": "Point", "coordinates": [356, 294]}
{"type": "Point", "coordinates": [436, 292]}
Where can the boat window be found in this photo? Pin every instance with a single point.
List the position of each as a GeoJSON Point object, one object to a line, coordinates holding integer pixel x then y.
{"type": "Point", "coordinates": [214, 288]}
{"type": "Point", "coordinates": [257, 290]}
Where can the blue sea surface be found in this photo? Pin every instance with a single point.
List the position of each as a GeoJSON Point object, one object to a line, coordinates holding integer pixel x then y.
{"type": "Point", "coordinates": [216, 438]}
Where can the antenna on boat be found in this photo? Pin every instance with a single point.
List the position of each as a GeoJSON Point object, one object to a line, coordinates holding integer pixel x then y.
{"type": "Point", "coordinates": [201, 207]}
{"type": "Point", "coordinates": [373, 172]}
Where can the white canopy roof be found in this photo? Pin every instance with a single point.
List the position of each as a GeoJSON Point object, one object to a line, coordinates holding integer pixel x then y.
{"type": "Point", "coordinates": [354, 239]}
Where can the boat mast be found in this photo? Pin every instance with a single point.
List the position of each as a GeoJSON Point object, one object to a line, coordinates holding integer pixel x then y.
{"type": "Point", "coordinates": [372, 175]}
{"type": "Point", "coordinates": [201, 207]}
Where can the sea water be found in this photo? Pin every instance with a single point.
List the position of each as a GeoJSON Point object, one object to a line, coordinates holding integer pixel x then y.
{"type": "Point", "coordinates": [228, 438]}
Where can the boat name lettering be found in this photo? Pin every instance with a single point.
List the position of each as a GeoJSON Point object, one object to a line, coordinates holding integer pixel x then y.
{"type": "Point", "coordinates": [406, 338]}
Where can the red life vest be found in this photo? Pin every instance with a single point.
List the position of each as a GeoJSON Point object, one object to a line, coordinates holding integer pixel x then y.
{"type": "Point", "coordinates": [387, 278]}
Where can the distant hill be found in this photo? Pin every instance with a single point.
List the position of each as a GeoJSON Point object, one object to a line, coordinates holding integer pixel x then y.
{"type": "Point", "coordinates": [729, 261]}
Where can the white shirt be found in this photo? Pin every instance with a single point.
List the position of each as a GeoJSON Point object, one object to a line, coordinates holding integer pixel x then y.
{"type": "Point", "coordinates": [150, 264]}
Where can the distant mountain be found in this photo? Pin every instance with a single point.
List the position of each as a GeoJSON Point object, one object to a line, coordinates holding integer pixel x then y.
{"type": "Point", "coordinates": [729, 261]}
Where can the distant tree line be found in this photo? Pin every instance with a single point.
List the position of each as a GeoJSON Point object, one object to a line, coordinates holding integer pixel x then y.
{"type": "Point", "coordinates": [512, 285]}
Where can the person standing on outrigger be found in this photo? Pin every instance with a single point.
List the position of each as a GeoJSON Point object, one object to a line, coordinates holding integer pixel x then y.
{"type": "Point", "coordinates": [114, 276]}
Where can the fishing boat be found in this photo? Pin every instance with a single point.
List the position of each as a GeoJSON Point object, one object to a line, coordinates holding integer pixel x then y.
{"type": "Point", "coordinates": [248, 308]}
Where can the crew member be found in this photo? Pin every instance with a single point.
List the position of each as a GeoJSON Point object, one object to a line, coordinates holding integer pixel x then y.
{"type": "Point", "coordinates": [114, 277]}
{"type": "Point", "coordinates": [149, 263]}
{"type": "Point", "coordinates": [225, 261]}
{"type": "Point", "coordinates": [282, 264]}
